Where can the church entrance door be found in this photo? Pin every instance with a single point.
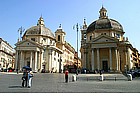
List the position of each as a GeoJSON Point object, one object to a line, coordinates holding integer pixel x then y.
{"type": "Point", "coordinates": [28, 63]}
{"type": "Point", "coordinates": [105, 65]}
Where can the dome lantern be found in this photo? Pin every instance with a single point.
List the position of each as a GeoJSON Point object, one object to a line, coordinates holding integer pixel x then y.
{"type": "Point", "coordinates": [104, 23]}
{"type": "Point", "coordinates": [41, 22]}
{"type": "Point", "coordinates": [40, 29]}
{"type": "Point", "coordinates": [103, 12]}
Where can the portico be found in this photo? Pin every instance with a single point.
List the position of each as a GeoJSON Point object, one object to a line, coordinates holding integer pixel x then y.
{"type": "Point", "coordinates": [104, 54]}
{"type": "Point", "coordinates": [31, 55]}
{"type": "Point", "coordinates": [104, 47]}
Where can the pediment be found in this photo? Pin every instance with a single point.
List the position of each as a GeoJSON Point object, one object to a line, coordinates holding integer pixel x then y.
{"type": "Point", "coordinates": [104, 39]}
{"type": "Point", "coordinates": [27, 43]}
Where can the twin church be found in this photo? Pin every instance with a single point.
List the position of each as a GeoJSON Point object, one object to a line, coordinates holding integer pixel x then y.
{"type": "Point", "coordinates": [41, 50]}
{"type": "Point", "coordinates": [103, 47]}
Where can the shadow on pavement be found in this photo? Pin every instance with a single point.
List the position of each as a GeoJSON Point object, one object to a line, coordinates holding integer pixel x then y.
{"type": "Point", "coordinates": [15, 87]}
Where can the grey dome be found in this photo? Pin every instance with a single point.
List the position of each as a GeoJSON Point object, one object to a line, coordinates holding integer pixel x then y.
{"type": "Point", "coordinates": [40, 29]}
{"type": "Point", "coordinates": [105, 23]}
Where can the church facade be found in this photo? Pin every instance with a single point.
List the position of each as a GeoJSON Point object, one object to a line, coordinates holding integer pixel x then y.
{"type": "Point", "coordinates": [103, 46]}
{"type": "Point", "coordinates": [41, 50]}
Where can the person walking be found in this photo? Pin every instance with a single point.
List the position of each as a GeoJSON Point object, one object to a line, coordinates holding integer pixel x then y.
{"type": "Point", "coordinates": [66, 75]}
{"type": "Point", "coordinates": [25, 78]}
{"type": "Point", "coordinates": [30, 75]}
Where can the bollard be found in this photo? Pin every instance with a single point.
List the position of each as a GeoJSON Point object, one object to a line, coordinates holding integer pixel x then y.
{"type": "Point", "coordinates": [73, 78]}
{"type": "Point", "coordinates": [129, 77]}
{"type": "Point", "coordinates": [101, 78]}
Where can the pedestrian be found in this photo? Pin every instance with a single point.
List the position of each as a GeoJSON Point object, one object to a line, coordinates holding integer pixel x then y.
{"type": "Point", "coordinates": [101, 72]}
{"type": "Point", "coordinates": [25, 78]}
{"type": "Point", "coordinates": [66, 75]}
{"type": "Point", "coordinates": [85, 71]}
{"type": "Point", "coordinates": [30, 75]}
{"type": "Point", "coordinates": [17, 71]}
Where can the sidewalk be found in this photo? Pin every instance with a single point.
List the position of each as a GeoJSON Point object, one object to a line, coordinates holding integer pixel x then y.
{"type": "Point", "coordinates": [106, 76]}
{"type": "Point", "coordinates": [10, 73]}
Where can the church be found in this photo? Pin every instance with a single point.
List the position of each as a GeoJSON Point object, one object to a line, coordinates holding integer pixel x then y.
{"type": "Point", "coordinates": [104, 47]}
{"type": "Point", "coordinates": [41, 50]}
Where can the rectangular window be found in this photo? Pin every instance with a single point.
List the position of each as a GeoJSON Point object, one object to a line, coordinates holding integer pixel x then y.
{"type": "Point", "coordinates": [58, 37]}
{"type": "Point", "coordinates": [90, 37]}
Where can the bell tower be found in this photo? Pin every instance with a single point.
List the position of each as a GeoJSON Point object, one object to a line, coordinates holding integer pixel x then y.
{"type": "Point", "coordinates": [83, 30]}
{"type": "Point", "coordinates": [60, 35]}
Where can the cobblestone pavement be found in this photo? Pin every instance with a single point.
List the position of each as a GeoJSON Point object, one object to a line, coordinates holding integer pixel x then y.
{"type": "Point", "coordinates": [54, 83]}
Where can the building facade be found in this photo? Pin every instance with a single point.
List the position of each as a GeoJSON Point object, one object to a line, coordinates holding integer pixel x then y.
{"type": "Point", "coordinates": [6, 55]}
{"type": "Point", "coordinates": [38, 50]}
{"type": "Point", "coordinates": [103, 46]}
{"type": "Point", "coordinates": [68, 51]}
{"type": "Point", "coordinates": [41, 50]}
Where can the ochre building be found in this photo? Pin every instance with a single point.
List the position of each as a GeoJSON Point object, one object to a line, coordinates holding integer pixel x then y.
{"type": "Point", "coordinates": [41, 50]}
{"type": "Point", "coordinates": [103, 46]}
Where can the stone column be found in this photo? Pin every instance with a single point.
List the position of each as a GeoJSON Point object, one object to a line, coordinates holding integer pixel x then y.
{"type": "Point", "coordinates": [116, 54]}
{"type": "Point", "coordinates": [110, 56]}
{"type": "Point", "coordinates": [50, 60]}
{"type": "Point", "coordinates": [21, 60]}
{"type": "Point", "coordinates": [92, 59]}
{"type": "Point", "coordinates": [85, 59]}
{"type": "Point", "coordinates": [31, 60]}
{"type": "Point", "coordinates": [41, 59]}
{"type": "Point", "coordinates": [98, 59]}
{"type": "Point", "coordinates": [17, 59]}
{"type": "Point", "coordinates": [119, 59]}
{"type": "Point", "coordinates": [35, 61]}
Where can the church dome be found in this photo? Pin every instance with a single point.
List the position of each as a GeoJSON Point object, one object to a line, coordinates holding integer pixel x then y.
{"type": "Point", "coordinates": [40, 29]}
{"type": "Point", "coordinates": [104, 23]}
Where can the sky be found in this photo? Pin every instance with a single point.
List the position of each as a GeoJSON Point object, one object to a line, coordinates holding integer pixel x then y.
{"type": "Point", "coordinates": [17, 13]}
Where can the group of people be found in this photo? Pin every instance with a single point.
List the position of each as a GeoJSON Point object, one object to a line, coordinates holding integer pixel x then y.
{"type": "Point", "coordinates": [27, 78]}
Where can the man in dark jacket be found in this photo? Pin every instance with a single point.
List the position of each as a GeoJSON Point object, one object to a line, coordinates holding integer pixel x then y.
{"type": "Point", "coordinates": [25, 78]}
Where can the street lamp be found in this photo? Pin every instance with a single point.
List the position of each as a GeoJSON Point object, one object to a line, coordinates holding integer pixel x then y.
{"type": "Point", "coordinates": [20, 30]}
{"type": "Point", "coordinates": [77, 29]}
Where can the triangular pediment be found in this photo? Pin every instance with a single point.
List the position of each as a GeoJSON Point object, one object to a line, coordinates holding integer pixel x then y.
{"type": "Point", "coordinates": [104, 39]}
{"type": "Point", "coordinates": [27, 42]}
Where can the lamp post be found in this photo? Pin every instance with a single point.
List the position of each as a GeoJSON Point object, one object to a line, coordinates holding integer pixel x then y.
{"type": "Point", "coordinates": [77, 29]}
{"type": "Point", "coordinates": [20, 30]}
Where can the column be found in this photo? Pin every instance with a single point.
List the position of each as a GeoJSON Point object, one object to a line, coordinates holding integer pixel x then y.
{"type": "Point", "coordinates": [20, 67]}
{"type": "Point", "coordinates": [50, 60]}
{"type": "Point", "coordinates": [98, 59]}
{"type": "Point", "coordinates": [92, 59]}
{"type": "Point", "coordinates": [116, 54]}
{"type": "Point", "coordinates": [83, 60]}
{"type": "Point", "coordinates": [31, 60]}
{"type": "Point", "coordinates": [36, 61]}
{"type": "Point", "coordinates": [119, 59]}
{"type": "Point", "coordinates": [41, 59]}
{"type": "Point", "coordinates": [23, 56]}
{"type": "Point", "coordinates": [17, 59]}
{"type": "Point", "coordinates": [110, 56]}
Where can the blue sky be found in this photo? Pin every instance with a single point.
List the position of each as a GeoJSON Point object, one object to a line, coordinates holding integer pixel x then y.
{"type": "Point", "coordinates": [17, 13]}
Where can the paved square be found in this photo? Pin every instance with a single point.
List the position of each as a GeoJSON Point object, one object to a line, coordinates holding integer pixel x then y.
{"type": "Point", "coordinates": [54, 83]}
